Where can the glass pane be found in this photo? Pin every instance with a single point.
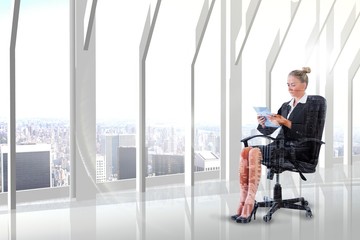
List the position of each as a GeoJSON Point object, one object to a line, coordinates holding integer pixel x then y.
{"type": "Point", "coordinates": [341, 68]}
{"type": "Point", "coordinates": [169, 61]}
{"type": "Point", "coordinates": [167, 71]}
{"type": "Point", "coordinates": [5, 31]}
{"type": "Point", "coordinates": [42, 91]}
{"type": "Point", "coordinates": [207, 97]}
{"type": "Point", "coordinates": [340, 98]}
{"type": "Point", "coordinates": [356, 115]}
{"type": "Point", "coordinates": [254, 65]}
{"type": "Point", "coordinates": [119, 27]}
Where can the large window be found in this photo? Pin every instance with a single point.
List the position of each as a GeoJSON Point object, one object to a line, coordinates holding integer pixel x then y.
{"type": "Point", "coordinates": [260, 64]}
{"type": "Point", "coordinates": [169, 65]}
{"type": "Point", "coordinates": [42, 94]}
{"type": "Point", "coordinates": [168, 69]}
{"type": "Point", "coordinates": [119, 27]}
{"type": "Point", "coordinates": [300, 33]}
{"type": "Point", "coordinates": [4, 75]}
{"type": "Point", "coordinates": [207, 96]}
{"type": "Point", "coordinates": [341, 58]}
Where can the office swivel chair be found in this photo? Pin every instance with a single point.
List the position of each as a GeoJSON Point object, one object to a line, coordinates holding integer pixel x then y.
{"type": "Point", "coordinates": [300, 167]}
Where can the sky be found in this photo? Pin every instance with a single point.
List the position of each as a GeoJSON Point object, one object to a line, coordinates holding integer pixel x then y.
{"type": "Point", "coordinates": [43, 76]}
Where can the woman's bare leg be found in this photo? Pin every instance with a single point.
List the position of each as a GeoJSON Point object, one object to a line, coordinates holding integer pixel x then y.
{"type": "Point", "coordinates": [243, 177]}
{"type": "Point", "coordinates": [254, 179]}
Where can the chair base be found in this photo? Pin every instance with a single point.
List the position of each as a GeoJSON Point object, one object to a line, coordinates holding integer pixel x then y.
{"type": "Point", "coordinates": [277, 203]}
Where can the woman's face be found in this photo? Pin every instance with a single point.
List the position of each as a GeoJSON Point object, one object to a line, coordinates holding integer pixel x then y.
{"type": "Point", "coordinates": [295, 87]}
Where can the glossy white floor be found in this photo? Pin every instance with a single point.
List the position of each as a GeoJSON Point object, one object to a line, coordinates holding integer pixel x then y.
{"type": "Point", "coordinates": [202, 212]}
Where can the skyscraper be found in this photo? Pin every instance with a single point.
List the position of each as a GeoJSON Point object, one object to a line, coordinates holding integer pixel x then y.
{"type": "Point", "coordinates": [206, 161]}
{"type": "Point", "coordinates": [111, 155]}
{"type": "Point", "coordinates": [100, 169]}
{"type": "Point", "coordinates": [163, 164]}
{"type": "Point", "coordinates": [127, 162]}
{"type": "Point", "coordinates": [127, 140]}
{"type": "Point", "coordinates": [32, 166]}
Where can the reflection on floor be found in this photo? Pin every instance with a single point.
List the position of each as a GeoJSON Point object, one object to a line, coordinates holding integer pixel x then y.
{"type": "Point", "coordinates": [201, 212]}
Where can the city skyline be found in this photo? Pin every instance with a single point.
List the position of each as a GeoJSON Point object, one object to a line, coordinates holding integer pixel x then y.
{"type": "Point", "coordinates": [161, 139]}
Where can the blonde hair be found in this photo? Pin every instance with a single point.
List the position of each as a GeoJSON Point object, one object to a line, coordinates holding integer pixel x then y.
{"type": "Point", "coordinates": [301, 74]}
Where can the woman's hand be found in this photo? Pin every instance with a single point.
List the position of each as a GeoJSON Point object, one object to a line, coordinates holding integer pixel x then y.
{"type": "Point", "coordinates": [277, 118]}
{"type": "Point", "coordinates": [261, 120]}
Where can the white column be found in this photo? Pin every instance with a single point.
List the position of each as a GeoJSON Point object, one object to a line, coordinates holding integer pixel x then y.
{"type": "Point", "coordinates": [141, 150]}
{"type": "Point", "coordinates": [12, 114]}
{"type": "Point", "coordinates": [225, 74]}
{"type": "Point", "coordinates": [329, 95]}
{"type": "Point", "coordinates": [189, 137]}
{"type": "Point", "coordinates": [83, 103]}
{"type": "Point", "coordinates": [233, 97]}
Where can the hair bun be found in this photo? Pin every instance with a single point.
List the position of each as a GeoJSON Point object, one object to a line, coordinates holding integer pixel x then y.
{"type": "Point", "coordinates": [306, 70]}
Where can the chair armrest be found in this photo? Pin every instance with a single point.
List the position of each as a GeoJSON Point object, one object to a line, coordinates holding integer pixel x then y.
{"type": "Point", "coordinates": [303, 140]}
{"type": "Point", "coordinates": [311, 140]}
{"type": "Point", "coordinates": [245, 140]}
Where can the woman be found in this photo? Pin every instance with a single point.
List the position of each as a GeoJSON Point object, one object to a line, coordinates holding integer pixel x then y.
{"type": "Point", "coordinates": [298, 119]}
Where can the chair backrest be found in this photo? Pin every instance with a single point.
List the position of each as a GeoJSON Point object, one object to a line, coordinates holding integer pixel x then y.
{"type": "Point", "coordinates": [319, 106]}
{"type": "Point", "coordinates": [305, 161]}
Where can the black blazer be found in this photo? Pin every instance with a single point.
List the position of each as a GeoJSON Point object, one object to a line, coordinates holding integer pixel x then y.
{"type": "Point", "coordinates": [307, 119]}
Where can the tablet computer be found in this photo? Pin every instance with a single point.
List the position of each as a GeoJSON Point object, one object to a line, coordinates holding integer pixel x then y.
{"type": "Point", "coordinates": [264, 111]}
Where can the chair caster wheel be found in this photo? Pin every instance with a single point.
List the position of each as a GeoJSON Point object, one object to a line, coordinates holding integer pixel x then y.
{"type": "Point", "coordinates": [308, 214]}
{"type": "Point", "coordinates": [267, 218]}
